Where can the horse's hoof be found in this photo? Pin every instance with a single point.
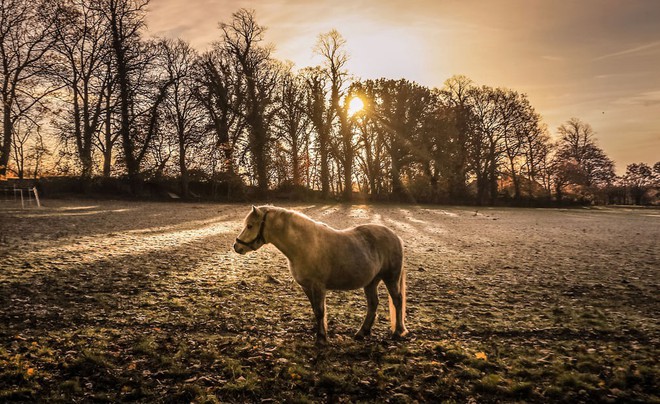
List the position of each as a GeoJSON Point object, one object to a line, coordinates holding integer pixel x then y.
{"type": "Point", "coordinates": [321, 342]}
{"type": "Point", "coordinates": [400, 334]}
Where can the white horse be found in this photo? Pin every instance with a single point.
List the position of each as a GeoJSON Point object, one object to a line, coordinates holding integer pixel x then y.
{"type": "Point", "coordinates": [322, 258]}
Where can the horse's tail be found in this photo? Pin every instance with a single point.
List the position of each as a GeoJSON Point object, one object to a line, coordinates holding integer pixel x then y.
{"type": "Point", "coordinates": [402, 288]}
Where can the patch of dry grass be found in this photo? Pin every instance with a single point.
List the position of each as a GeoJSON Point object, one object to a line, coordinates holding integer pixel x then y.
{"type": "Point", "coordinates": [119, 301]}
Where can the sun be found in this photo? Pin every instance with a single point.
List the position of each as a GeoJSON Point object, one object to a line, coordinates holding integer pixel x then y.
{"type": "Point", "coordinates": [355, 105]}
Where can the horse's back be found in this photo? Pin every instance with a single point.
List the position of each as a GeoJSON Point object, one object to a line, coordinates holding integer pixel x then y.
{"type": "Point", "coordinates": [382, 241]}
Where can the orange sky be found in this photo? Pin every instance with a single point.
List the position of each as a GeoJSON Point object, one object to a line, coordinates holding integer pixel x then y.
{"type": "Point", "coordinates": [598, 60]}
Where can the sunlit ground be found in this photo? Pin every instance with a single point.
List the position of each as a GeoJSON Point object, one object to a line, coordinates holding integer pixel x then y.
{"type": "Point", "coordinates": [110, 300]}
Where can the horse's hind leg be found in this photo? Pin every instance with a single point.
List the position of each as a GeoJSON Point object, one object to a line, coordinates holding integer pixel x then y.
{"type": "Point", "coordinates": [317, 299]}
{"type": "Point", "coordinates": [396, 287]}
{"type": "Point", "coordinates": [371, 292]}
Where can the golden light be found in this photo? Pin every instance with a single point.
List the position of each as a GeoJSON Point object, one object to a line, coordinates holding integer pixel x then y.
{"type": "Point", "coordinates": [355, 105]}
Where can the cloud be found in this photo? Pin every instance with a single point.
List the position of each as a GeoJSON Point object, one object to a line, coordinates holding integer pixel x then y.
{"type": "Point", "coordinates": [630, 51]}
{"type": "Point", "coordinates": [553, 58]}
{"type": "Point", "coordinates": [647, 99]}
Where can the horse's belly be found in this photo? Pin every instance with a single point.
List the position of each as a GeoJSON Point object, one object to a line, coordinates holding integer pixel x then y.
{"type": "Point", "coordinates": [349, 277]}
{"type": "Point", "coordinates": [344, 265]}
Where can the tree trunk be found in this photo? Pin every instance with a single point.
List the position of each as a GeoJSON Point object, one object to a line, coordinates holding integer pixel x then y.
{"type": "Point", "coordinates": [481, 187]}
{"type": "Point", "coordinates": [325, 170]}
{"type": "Point", "coordinates": [558, 193]}
{"type": "Point", "coordinates": [107, 153]}
{"type": "Point", "coordinates": [397, 186]}
{"type": "Point", "coordinates": [185, 180]}
{"type": "Point", "coordinates": [132, 164]}
{"type": "Point", "coordinates": [348, 178]}
{"type": "Point", "coordinates": [107, 157]}
{"type": "Point", "coordinates": [261, 158]}
{"type": "Point", "coordinates": [183, 167]}
{"type": "Point", "coordinates": [7, 132]}
{"type": "Point", "coordinates": [348, 159]}
{"type": "Point", "coordinates": [295, 162]}
{"type": "Point", "coordinates": [492, 177]}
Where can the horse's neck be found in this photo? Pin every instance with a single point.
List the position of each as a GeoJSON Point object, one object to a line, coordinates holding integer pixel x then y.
{"type": "Point", "coordinates": [287, 233]}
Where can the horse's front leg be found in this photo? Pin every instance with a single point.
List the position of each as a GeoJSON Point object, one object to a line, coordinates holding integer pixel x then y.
{"type": "Point", "coordinates": [371, 293]}
{"type": "Point", "coordinates": [316, 297]}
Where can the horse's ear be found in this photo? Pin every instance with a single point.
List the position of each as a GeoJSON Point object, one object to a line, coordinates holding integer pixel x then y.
{"type": "Point", "coordinates": [255, 210]}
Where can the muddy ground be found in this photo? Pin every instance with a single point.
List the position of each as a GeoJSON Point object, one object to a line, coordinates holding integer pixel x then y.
{"type": "Point", "coordinates": [145, 301]}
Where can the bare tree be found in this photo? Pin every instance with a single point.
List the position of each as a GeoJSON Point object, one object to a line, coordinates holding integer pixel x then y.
{"type": "Point", "coordinates": [83, 46]}
{"type": "Point", "coordinates": [519, 123]}
{"type": "Point", "coordinates": [293, 123]}
{"type": "Point", "coordinates": [24, 132]}
{"type": "Point", "coordinates": [371, 155]}
{"type": "Point", "coordinates": [219, 91]}
{"type": "Point", "coordinates": [242, 39]}
{"type": "Point", "coordinates": [639, 178]}
{"type": "Point", "coordinates": [107, 137]}
{"type": "Point", "coordinates": [485, 145]}
{"type": "Point", "coordinates": [140, 90]}
{"type": "Point", "coordinates": [182, 107]}
{"type": "Point", "coordinates": [331, 46]}
{"type": "Point", "coordinates": [456, 95]}
{"type": "Point", "coordinates": [438, 152]}
{"type": "Point", "coordinates": [320, 116]}
{"type": "Point", "coordinates": [536, 150]}
{"type": "Point", "coordinates": [401, 109]}
{"type": "Point", "coordinates": [577, 145]}
{"type": "Point", "coordinates": [26, 29]}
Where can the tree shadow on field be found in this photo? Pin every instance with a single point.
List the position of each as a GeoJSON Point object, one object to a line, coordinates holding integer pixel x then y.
{"type": "Point", "coordinates": [46, 296]}
{"type": "Point", "coordinates": [61, 219]}
{"type": "Point", "coordinates": [165, 311]}
{"type": "Point", "coordinates": [74, 314]}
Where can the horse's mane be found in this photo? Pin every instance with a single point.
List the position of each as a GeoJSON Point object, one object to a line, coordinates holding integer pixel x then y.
{"type": "Point", "coordinates": [292, 214]}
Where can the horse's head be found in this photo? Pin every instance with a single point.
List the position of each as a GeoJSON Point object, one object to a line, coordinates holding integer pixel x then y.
{"type": "Point", "coordinates": [251, 238]}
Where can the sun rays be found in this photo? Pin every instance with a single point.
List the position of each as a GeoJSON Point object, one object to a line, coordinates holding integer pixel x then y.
{"type": "Point", "coordinates": [355, 105]}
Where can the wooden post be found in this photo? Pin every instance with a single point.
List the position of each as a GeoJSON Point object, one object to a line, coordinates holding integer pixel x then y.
{"type": "Point", "coordinates": [36, 196]}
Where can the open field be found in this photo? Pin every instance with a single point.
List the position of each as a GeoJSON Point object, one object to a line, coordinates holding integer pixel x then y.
{"type": "Point", "coordinates": [124, 301]}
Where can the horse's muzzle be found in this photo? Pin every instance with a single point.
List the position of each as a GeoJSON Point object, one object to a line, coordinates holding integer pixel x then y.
{"type": "Point", "coordinates": [240, 249]}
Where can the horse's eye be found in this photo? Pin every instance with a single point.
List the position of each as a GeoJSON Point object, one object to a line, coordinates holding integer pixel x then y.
{"type": "Point", "coordinates": [249, 226]}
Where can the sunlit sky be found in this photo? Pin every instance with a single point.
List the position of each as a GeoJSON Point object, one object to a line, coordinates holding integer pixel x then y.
{"type": "Point", "coordinates": [598, 60]}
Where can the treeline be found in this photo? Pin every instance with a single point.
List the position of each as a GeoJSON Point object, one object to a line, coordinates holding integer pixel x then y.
{"type": "Point", "coordinates": [85, 94]}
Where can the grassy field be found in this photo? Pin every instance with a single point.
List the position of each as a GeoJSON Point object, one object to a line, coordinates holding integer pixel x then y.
{"type": "Point", "coordinates": [141, 301]}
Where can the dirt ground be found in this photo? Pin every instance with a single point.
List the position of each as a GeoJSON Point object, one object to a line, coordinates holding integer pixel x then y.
{"type": "Point", "coordinates": [145, 301]}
